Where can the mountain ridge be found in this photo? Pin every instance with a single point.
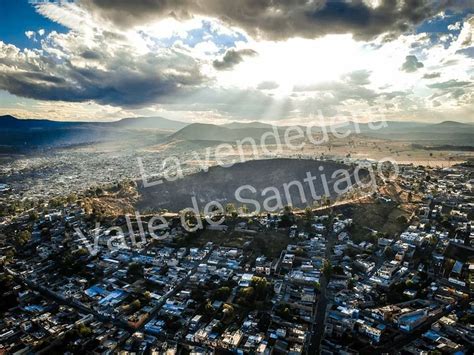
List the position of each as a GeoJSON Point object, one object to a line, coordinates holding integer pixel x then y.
{"type": "Point", "coordinates": [155, 122]}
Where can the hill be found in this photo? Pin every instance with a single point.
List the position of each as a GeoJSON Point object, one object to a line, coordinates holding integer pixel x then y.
{"type": "Point", "coordinates": [150, 122]}
{"type": "Point", "coordinates": [254, 124]}
{"type": "Point", "coordinates": [28, 134]}
{"type": "Point", "coordinates": [9, 122]}
{"type": "Point", "coordinates": [448, 132]}
{"type": "Point", "coordinates": [210, 132]}
{"type": "Point", "coordinates": [220, 184]}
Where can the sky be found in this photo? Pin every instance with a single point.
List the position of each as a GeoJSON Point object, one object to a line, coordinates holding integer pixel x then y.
{"type": "Point", "coordinates": [216, 61]}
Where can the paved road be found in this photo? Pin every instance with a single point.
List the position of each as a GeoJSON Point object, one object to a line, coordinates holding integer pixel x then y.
{"type": "Point", "coordinates": [321, 308]}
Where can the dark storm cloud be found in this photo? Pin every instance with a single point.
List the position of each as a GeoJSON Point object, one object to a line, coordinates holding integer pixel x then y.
{"type": "Point", "coordinates": [281, 19]}
{"type": "Point", "coordinates": [123, 79]}
{"type": "Point", "coordinates": [411, 64]}
{"type": "Point", "coordinates": [231, 58]}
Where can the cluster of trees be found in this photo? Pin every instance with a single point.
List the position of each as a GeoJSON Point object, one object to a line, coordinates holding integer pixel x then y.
{"type": "Point", "coordinates": [133, 306]}
{"type": "Point", "coordinates": [287, 219]}
{"type": "Point", "coordinates": [17, 206]}
{"type": "Point", "coordinates": [258, 291]}
{"type": "Point", "coordinates": [61, 201]}
{"type": "Point", "coordinates": [71, 263]}
{"type": "Point", "coordinates": [22, 237]}
{"type": "Point", "coordinates": [8, 299]}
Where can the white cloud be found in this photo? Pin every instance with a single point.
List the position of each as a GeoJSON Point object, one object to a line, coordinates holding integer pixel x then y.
{"type": "Point", "coordinates": [454, 26]}
{"type": "Point", "coordinates": [31, 35]}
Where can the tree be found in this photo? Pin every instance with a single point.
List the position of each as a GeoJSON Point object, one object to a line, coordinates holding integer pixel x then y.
{"type": "Point", "coordinates": [33, 216]}
{"type": "Point", "coordinates": [209, 309]}
{"type": "Point", "coordinates": [230, 208]}
{"type": "Point", "coordinates": [222, 293]}
{"type": "Point", "coordinates": [402, 220]}
{"type": "Point", "coordinates": [260, 285]}
{"type": "Point", "coordinates": [246, 296]}
{"type": "Point", "coordinates": [327, 268]}
{"type": "Point", "coordinates": [71, 198]}
{"type": "Point", "coordinates": [326, 200]}
{"type": "Point", "coordinates": [308, 213]}
{"type": "Point", "coordinates": [409, 283]}
{"type": "Point", "coordinates": [388, 252]}
{"type": "Point", "coordinates": [23, 237]}
{"type": "Point", "coordinates": [135, 305]}
{"type": "Point", "coordinates": [190, 219]}
{"type": "Point", "coordinates": [228, 313]}
{"type": "Point", "coordinates": [135, 270]}
{"type": "Point", "coordinates": [247, 292]}
{"type": "Point", "coordinates": [283, 311]}
{"type": "Point", "coordinates": [445, 223]}
{"type": "Point", "coordinates": [299, 252]}
{"type": "Point", "coordinates": [338, 270]}
{"type": "Point", "coordinates": [82, 252]}
{"type": "Point", "coordinates": [83, 330]}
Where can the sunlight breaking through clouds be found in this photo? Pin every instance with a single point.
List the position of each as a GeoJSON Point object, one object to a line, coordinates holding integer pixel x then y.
{"type": "Point", "coordinates": [198, 61]}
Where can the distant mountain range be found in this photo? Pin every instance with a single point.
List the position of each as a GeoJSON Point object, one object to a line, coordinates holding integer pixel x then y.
{"type": "Point", "coordinates": [26, 134]}
{"type": "Point", "coordinates": [447, 132]}
{"type": "Point", "coordinates": [18, 135]}
{"type": "Point", "coordinates": [12, 123]}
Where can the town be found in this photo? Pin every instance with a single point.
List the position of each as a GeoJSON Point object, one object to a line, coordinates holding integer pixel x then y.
{"type": "Point", "coordinates": [390, 271]}
{"type": "Point", "coordinates": [204, 177]}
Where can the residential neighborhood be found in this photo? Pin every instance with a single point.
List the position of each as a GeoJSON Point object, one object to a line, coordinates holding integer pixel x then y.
{"type": "Point", "coordinates": [295, 282]}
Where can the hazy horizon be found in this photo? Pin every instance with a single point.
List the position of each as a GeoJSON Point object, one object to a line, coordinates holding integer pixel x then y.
{"type": "Point", "coordinates": [276, 123]}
